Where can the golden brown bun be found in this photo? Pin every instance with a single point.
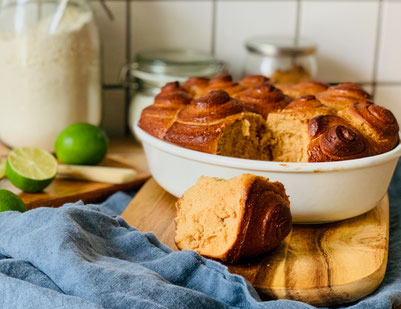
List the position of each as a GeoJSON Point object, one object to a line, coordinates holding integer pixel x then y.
{"type": "Point", "coordinates": [254, 120]}
{"type": "Point", "coordinates": [289, 128]}
{"type": "Point", "coordinates": [242, 217]}
{"type": "Point", "coordinates": [157, 118]}
{"type": "Point", "coordinates": [333, 139]}
{"type": "Point", "coordinates": [263, 99]}
{"type": "Point", "coordinates": [343, 95]}
{"type": "Point", "coordinates": [302, 88]}
{"type": "Point", "coordinates": [253, 80]}
{"type": "Point", "coordinates": [196, 86]}
{"type": "Point", "coordinates": [218, 124]}
{"type": "Point", "coordinates": [375, 122]}
{"type": "Point", "coordinates": [223, 82]}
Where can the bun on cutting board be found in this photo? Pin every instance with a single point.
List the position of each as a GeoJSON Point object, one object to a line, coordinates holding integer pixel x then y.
{"type": "Point", "coordinates": [254, 119]}
{"type": "Point", "coordinates": [228, 220]}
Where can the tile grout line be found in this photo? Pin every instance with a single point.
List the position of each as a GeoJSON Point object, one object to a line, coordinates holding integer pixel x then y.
{"type": "Point", "coordinates": [297, 21]}
{"type": "Point", "coordinates": [128, 60]}
{"type": "Point", "coordinates": [214, 21]}
{"type": "Point", "coordinates": [377, 47]}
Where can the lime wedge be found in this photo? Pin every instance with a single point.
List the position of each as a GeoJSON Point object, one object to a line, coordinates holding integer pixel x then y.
{"type": "Point", "coordinates": [10, 201]}
{"type": "Point", "coordinates": [2, 168]}
{"type": "Point", "coordinates": [31, 169]}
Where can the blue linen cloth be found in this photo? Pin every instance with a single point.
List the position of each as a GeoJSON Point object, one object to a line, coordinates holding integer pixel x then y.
{"type": "Point", "coordinates": [79, 257]}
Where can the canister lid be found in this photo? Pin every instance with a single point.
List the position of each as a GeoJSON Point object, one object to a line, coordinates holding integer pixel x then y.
{"type": "Point", "coordinates": [274, 46]}
{"type": "Point", "coordinates": [177, 63]}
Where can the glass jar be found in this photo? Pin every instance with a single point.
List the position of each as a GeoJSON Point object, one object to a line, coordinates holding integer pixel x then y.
{"type": "Point", "coordinates": [283, 59]}
{"type": "Point", "coordinates": [153, 69]}
{"type": "Point", "coordinates": [49, 70]}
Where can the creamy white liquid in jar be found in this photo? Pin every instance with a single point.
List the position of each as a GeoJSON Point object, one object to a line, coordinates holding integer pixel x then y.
{"type": "Point", "coordinates": [49, 81]}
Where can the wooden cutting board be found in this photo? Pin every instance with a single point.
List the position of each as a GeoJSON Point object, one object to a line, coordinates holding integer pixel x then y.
{"type": "Point", "coordinates": [324, 265]}
{"type": "Point", "coordinates": [122, 153]}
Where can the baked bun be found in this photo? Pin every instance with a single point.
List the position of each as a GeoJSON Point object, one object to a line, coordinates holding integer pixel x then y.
{"type": "Point", "coordinates": [263, 99]}
{"type": "Point", "coordinates": [242, 217]}
{"type": "Point", "coordinates": [253, 119]}
{"type": "Point", "coordinates": [157, 118]}
{"type": "Point", "coordinates": [253, 80]}
{"type": "Point", "coordinates": [223, 82]}
{"type": "Point", "coordinates": [196, 86]}
{"type": "Point", "coordinates": [343, 95]}
{"type": "Point", "coordinates": [333, 139]}
{"type": "Point", "coordinates": [376, 123]}
{"type": "Point", "coordinates": [219, 124]}
{"type": "Point", "coordinates": [289, 128]}
{"type": "Point", "coordinates": [302, 88]}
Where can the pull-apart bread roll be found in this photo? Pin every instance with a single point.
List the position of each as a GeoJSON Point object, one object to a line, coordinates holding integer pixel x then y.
{"type": "Point", "coordinates": [376, 123]}
{"type": "Point", "coordinates": [301, 89]}
{"type": "Point", "coordinates": [224, 82]}
{"type": "Point", "coordinates": [196, 86]}
{"type": "Point", "coordinates": [250, 81]}
{"type": "Point", "coordinates": [255, 119]}
{"type": "Point", "coordinates": [263, 99]}
{"type": "Point", "coordinates": [333, 139]}
{"type": "Point", "coordinates": [218, 124]}
{"type": "Point", "coordinates": [343, 95]}
{"type": "Point", "coordinates": [232, 219]}
{"type": "Point", "coordinates": [157, 118]}
{"type": "Point", "coordinates": [289, 128]}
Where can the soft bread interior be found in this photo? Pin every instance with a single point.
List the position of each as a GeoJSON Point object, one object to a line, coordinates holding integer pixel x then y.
{"type": "Point", "coordinates": [243, 138]}
{"type": "Point", "coordinates": [289, 134]}
{"type": "Point", "coordinates": [209, 215]}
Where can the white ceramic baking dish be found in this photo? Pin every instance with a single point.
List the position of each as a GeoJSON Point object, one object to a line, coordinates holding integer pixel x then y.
{"type": "Point", "coordinates": [319, 192]}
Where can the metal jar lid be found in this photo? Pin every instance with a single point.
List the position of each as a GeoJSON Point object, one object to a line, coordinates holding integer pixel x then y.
{"type": "Point", "coordinates": [157, 67]}
{"type": "Point", "coordinates": [280, 46]}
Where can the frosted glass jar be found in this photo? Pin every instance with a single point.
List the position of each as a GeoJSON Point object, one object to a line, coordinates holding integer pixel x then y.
{"type": "Point", "coordinates": [155, 68]}
{"type": "Point", "coordinates": [49, 78]}
{"type": "Point", "coordinates": [284, 59]}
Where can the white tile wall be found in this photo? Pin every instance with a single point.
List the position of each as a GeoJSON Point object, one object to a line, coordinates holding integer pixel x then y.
{"type": "Point", "coordinates": [237, 21]}
{"type": "Point", "coordinates": [389, 66]}
{"type": "Point", "coordinates": [171, 24]}
{"type": "Point", "coordinates": [390, 97]}
{"type": "Point", "coordinates": [345, 33]}
{"type": "Point", "coordinates": [350, 47]}
{"type": "Point", "coordinates": [113, 38]}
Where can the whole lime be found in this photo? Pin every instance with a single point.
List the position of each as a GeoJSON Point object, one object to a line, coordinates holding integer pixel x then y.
{"type": "Point", "coordinates": [10, 201]}
{"type": "Point", "coordinates": [81, 143]}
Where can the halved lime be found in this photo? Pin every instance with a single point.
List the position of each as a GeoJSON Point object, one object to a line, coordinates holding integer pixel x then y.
{"type": "Point", "coordinates": [10, 201]}
{"type": "Point", "coordinates": [2, 168]}
{"type": "Point", "coordinates": [31, 169]}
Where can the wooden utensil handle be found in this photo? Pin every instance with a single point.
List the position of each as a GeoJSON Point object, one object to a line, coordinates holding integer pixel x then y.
{"type": "Point", "coordinates": [114, 175]}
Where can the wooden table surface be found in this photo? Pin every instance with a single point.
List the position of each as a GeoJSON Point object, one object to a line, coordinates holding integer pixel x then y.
{"type": "Point", "coordinates": [123, 152]}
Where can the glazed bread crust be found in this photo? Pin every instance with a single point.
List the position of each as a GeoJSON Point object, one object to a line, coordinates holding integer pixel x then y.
{"type": "Point", "coordinates": [158, 118]}
{"type": "Point", "coordinates": [333, 139]}
{"type": "Point", "coordinates": [375, 122]}
{"type": "Point", "coordinates": [343, 95]}
{"type": "Point", "coordinates": [206, 122]}
{"type": "Point", "coordinates": [302, 88]}
{"type": "Point", "coordinates": [254, 119]}
{"type": "Point", "coordinates": [262, 99]}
